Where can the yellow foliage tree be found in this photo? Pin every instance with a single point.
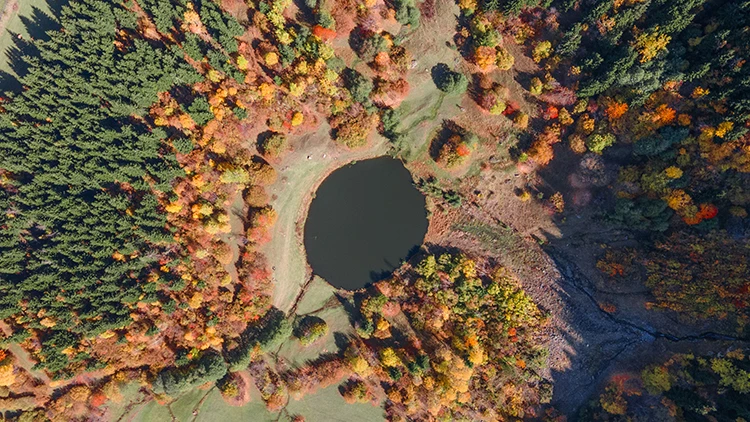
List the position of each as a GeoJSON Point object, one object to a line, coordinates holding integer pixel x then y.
{"type": "Point", "coordinates": [505, 60]}
{"type": "Point", "coordinates": [7, 378]}
{"type": "Point", "coordinates": [650, 44]}
{"type": "Point", "coordinates": [542, 51]}
{"type": "Point", "coordinates": [79, 393]}
{"type": "Point", "coordinates": [271, 58]}
{"type": "Point", "coordinates": [389, 358]}
{"type": "Point", "coordinates": [485, 57]}
{"type": "Point", "coordinates": [673, 172]}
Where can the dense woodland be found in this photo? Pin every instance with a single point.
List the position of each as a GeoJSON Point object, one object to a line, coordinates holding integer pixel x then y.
{"type": "Point", "coordinates": [655, 92]}
{"type": "Point", "coordinates": [685, 387]}
{"type": "Point", "coordinates": [135, 158]}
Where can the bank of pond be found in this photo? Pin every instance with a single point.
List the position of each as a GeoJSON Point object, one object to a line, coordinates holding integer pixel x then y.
{"type": "Point", "coordinates": [366, 218]}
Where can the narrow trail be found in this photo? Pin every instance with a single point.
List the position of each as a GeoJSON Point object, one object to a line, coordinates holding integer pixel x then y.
{"type": "Point", "coordinates": [128, 412]}
{"type": "Point", "coordinates": [300, 295]}
{"type": "Point", "coordinates": [197, 408]}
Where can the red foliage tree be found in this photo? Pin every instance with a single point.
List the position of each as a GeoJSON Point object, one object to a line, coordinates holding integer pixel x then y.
{"type": "Point", "coordinates": [323, 33]}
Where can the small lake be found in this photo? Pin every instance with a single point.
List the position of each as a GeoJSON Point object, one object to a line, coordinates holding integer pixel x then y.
{"type": "Point", "coordinates": [366, 217]}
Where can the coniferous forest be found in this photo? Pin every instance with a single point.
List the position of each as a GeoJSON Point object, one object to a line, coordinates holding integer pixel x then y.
{"type": "Point", "coordinates": [586, 169]}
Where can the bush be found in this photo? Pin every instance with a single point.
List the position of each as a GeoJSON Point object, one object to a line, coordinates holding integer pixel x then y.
{"type": "Point", "coordinates": [656, 379]}
{"type": "Point", "coordinates": [200, 111]}
{"type": "Point", "coordinates": [371, 46]}
{"type": "Point", "coordinates": [208, 368]}
{"type": "Point", "coordinates": [504, 60]}
{"type": "Point", "coordinates": [358, 85]}
{"type": "Point", "coordinates": [309, 329]}
{"type": "Point", "coordinates": [449, 81]}
{"type": "Point", "coordinates": [273, 144]}
{"type": "Point", "coordinates": [598, 142]}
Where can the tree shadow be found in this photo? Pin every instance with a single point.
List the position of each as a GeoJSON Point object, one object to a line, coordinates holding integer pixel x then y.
{"type": "Point", "coordinates": [305, 14]}
{"type": "Point", "coordinates": [357, 39]}
{"type": "Point", "coordinates": [349, 307]}
{"type": "Point", "coordinates": [524, 79]}
{"type": "Point", "coordinates": [376, 276]}
{"type": "Point", "coordinates": [341, 340]}
{"type": "Point", "coordinates": [593, 340]}
{"type": "Point", "coordinates": [601, 329]}
{"type": "Point", "coordinates": [9, 82]}
{"type": "Point", "coordinates": [39, 23]}
{"type": "Point", "coordinates": [36, 25]}
{"type": "Point", "coordinates": [56, 6]}
{"type": "Point", "coordinates": [16, 53]}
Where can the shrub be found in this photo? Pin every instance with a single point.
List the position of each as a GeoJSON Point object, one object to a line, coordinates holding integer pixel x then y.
{"type": "Point", "coordinates": [504, 60]}
{"type": "Point", "coordinates": [449, 81]}
{"type": "Point", "coordinates": [272, 145]}
{"type": "Point", "coordinates": [208, 368]}
{"type": "Point", "coordinates": [598, 142]}
{"type": "Point", "coordinates": [656, 379]}
{"type": "Point", "coordinates": [358, 85]}
{"type": "Point", "coordinates": [309, 329]}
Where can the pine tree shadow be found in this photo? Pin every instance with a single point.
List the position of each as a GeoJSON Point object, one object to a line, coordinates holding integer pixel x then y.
{"type": "Point", "coordinates": [22, 48]}
{"type": "Point", "coordinates": [39, 23]}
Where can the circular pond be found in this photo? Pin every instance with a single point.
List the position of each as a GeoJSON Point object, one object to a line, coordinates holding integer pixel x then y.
{"type": "Point", "coordinates": [365, 219]}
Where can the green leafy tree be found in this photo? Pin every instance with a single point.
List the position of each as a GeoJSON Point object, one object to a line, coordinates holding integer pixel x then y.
{"type": "Point", "coordinates": [449, 81]}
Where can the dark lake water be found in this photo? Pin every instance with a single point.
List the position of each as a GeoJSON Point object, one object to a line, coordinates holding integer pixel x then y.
{"type": "Point", "coordinates": [365, 218]}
